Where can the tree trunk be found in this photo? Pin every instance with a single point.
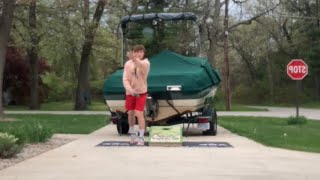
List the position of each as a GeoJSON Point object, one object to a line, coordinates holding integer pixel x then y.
{"type": "Point", "coordinates": [317, 75]}
{"type": "Point", "coordinates": [33, 57]}
{"type": "Point", "coordinates": [6, 18]}
{"type": "Point", "coordinates": [317, 83]}
{"type": "Point", "coordinates": [226, 58]}
{"type": "Point", "coordinates": [83, 92]}
{"type": "Point", "coordinates": [74, 59]}
{"type": "Point", "coordinates": [214, 38]}
{"type": "Point", "coordinates": [270, 78]}
{"type": "Point", "coordinates": [212, 50]}
{"type": "Point", "coordinates": [73, 49]}
{"type": "Point", "coordinates": [247, 58]}
{"type": "Point", "coordinates": [211, 24]}
{"type": "Point", "coordinates": [250, 67]}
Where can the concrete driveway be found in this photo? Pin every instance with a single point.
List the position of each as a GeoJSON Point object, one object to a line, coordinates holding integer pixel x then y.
{"type": "Point", "coordinates": [247, 160]}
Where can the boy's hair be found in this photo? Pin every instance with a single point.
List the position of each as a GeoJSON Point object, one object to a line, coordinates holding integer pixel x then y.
{"type": "Point", "coordinates": [139, 48]}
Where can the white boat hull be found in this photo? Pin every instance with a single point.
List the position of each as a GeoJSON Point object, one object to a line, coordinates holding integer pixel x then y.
{"type": "Point", "coordinates": [165, 111]}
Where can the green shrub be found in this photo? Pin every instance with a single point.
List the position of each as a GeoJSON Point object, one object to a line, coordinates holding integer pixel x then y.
{"type": "Point", "coordinates": [37, 132]}
{"type": "Point", "coordinates": [260, 93]}
{"type": "Point", "coordinates": [20, 133]}
{"type": "Point", "coordinates": [30, 132]}
{"type": "Point", "coordinates": [297, 120]}
{"type": "Point", "coordinates": [8, 145]}
{"type": "Point", "coordinates": [59, 88]}
{"type": "Point", "coordinates": [250, 94]}
{"type": "Point", "coordinates": [96, 86]}
{"type": "Point", "coordinates": [287, 94]}
{"type": "Point", "coordinates": [219, 96]}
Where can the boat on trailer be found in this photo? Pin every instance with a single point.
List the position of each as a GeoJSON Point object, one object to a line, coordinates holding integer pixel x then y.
{"type": "Point", "coordinates": [180, 87]}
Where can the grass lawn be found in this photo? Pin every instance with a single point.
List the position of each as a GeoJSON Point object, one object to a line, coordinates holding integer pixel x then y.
{"type": "Point", "coordinates": [276, 132]}
{"type": "Point", "coordinates": [62, 106]}
{"type": "Point", "coordinates": [311, 105]}
{"type": "Point", "coordinates": [65, 124]}
{"type": "Point", "coordinates": [237, 107]}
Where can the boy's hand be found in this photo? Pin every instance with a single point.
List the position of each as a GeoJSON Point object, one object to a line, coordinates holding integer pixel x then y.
{"type": "Point", "coordinates": [132, 93]}
{"type": "Point", "coordinates": [130, 55]}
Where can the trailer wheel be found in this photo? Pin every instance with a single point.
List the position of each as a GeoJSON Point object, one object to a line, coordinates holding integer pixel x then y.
{"type": "Point", "coordinates": [213, 122]}
{"type": "Point", "coordinates": [122, 126]}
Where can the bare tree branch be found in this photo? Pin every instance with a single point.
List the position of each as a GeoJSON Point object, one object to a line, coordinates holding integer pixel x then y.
{"type": "Point", "coordinates": [308, 8]}
{"type": "Point", "coordinates": [239, 2]}
{"type": "Point", "coordinates": [285, 31]}
{"type": "Point", "coordinates": [278, 40]}
{"type": "Point", "coordinates": [222, 4]}
{"type": "Point", "coordinates": [247, 57]}
{"type": "Point", "coordinates": [249, 21]}
{"type": "Point", "coordinates": [85, 10]}
{"type": "Point", "coordinates": [295, 5]}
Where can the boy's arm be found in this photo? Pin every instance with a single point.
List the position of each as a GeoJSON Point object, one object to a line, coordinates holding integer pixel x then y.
{"type": "Point", "coordinates": [144, 65]}
{"type": "Point", "coordinates": [126, 82]}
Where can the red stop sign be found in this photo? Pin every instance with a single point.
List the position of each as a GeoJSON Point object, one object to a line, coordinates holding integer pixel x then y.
{"type": "Point", "coordinates": [297, 69]}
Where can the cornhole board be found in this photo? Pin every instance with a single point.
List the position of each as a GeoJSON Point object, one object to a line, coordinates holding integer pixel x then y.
{"type": "Point", "coordinates": [165, 136]}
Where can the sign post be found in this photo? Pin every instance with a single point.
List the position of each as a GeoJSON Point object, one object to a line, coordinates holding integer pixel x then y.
{"type": "Point", "coordinates": [297, 69]}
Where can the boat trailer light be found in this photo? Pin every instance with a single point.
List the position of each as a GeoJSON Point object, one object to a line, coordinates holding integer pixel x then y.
{"type": "Point", "coordinates": [203, 119]}
{"type": "Point", "coordinates": [174, 88]}
{"type": "Point", "coordinates": [114, 119]}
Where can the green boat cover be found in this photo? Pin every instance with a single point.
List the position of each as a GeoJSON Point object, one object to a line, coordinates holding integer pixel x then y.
{"type": "Point", "coordinates": [193, 74]}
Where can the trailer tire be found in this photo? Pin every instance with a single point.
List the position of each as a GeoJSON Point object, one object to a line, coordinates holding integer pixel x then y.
{"type": "Point", "coordinates": [123, 126]}
{"type": "Point", "coordinates": [213, 122]}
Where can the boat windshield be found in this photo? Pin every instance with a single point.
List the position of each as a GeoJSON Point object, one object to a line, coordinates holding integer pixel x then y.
{"type": "Point", "coordinates": [181, 36]}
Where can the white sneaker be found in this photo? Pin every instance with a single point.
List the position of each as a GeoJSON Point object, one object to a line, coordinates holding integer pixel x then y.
{"type": "Point", "coordinates": [133, 137]}
{"type": "Point", "coordinates": [140, 141]}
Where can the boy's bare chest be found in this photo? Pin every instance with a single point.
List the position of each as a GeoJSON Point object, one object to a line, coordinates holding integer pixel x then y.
{"type": "Point", "coordinates": [134, 71]}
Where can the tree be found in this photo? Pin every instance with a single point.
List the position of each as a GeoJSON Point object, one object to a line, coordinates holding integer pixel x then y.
{"type": "Point", "coordinates": [211, 27]}
{"type": "Point", "coordinates": [303, 35]}
{"type": "Point", "coordinates": [33, 56]}
{"type": "Point", "coordinates": [293, 32]}
{"type": "Point", "coordinates": [83, 92]}
{"type": "Point", "coordinates": [16, 82]}
{"type": "Point", "coordinates": [228, 29]}
{"type": "Point", "coordinates": [6, 18]}
{"type": "Point", "coordinates": [61, 28]}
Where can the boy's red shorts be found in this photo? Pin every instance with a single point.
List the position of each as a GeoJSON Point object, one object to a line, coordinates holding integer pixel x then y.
{"type": "Point", "coordinates": [136, 102]}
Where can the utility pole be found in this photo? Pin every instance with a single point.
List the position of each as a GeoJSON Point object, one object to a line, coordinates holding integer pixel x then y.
{"type": "Point", "coordinates": [226, 56]}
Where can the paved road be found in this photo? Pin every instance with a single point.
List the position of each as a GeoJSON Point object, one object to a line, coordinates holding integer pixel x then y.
{"type": "Point", "coordinates": [272, 112]}
{"type": "Point", "coordinates": [275, 112]}
{"type": "Point", "coordinates": [247, 160]}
